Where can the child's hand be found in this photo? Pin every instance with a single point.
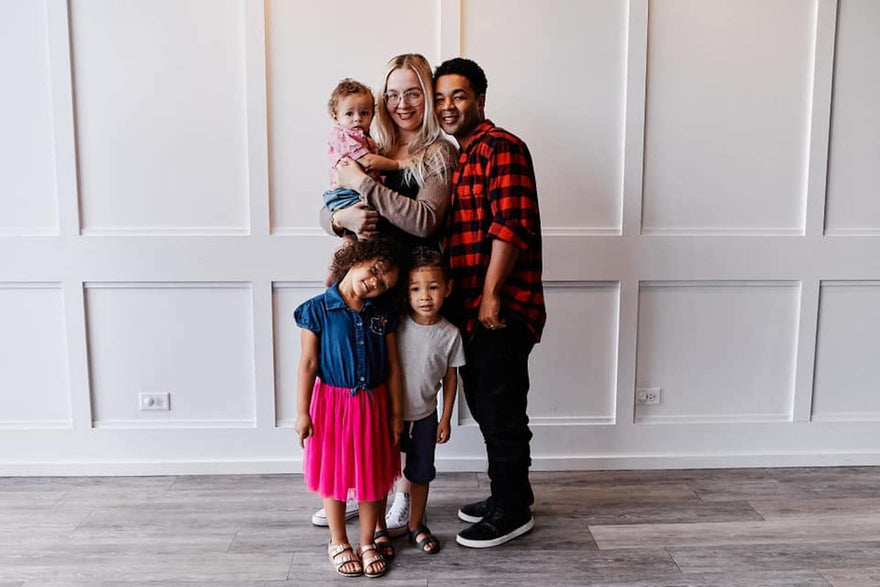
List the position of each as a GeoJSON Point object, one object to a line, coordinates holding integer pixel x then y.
{"type": "Point", "coordinates": [304, 428]}
{"type": "Point", "coordinates": [396, 428]}
{"type": "Point", "coordinates": [444, 431]}
{"type": "Point", "coordinates": [373, 162]}
{"type": "Point", "coordinates": [370, 161]}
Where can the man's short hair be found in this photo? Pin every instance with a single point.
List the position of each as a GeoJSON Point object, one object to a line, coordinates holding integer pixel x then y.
{"type": "Point", "coordinates": [465, 68]}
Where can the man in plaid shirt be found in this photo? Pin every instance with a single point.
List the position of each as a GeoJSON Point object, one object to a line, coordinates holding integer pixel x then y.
{"type": "Point", "coordinates": [494, 248]}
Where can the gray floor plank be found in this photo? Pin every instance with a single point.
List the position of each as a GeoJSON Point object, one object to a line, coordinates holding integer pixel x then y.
{"type": "Point", "coordinates": [110, 566]}
{"type": "Point", "coordinates": [818, 508]}
{"type": "Point", "coordinates": [786, 531]}
{"type": "Point", "coordinates": [767, 579]}
{"type": "Point", "coordinates": [662, 513]}
{"type": "Point", "coordinates": [519, 565]}
{"type": "Point", "coordinates": [684, 528]}
{"type": "Point", "coordinates": [130, 540]}
{"type": "Point", "coordinates": [776, 557]}
{"type": "Point", "coordinates": [183, 583]}
{"type": "Point", "coordinates": [25, 498]}
{"type": "Point", "coordinates": [866, 577]}
{"type": "Point", "coordinates": [614, 494]}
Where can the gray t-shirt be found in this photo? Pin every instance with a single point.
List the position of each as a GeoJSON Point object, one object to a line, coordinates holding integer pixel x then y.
{"type": "Point", "coordinates": [426, 352]}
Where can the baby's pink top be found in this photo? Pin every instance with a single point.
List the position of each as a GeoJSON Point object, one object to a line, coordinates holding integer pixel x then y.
{"type": "Point", "coordinates": [342, 142]}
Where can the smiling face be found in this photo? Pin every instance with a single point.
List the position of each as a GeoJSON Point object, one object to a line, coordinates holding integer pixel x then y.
{"type": "Point", "coordinates": [427, 290]}
{"type": "Point", "coordinates": [370, 279]}
{"type": "Point", "coordinates": [354, 111]}
{"type": "Point", "coordinates": [405, 100]}
{"type": "Point", "coordinates": [459, 109]}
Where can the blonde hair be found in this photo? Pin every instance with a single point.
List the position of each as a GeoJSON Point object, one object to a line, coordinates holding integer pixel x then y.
{"type": "Point", "coordinates": [424, 160]}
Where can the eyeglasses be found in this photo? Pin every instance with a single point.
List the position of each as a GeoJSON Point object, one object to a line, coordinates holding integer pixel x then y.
{"type": "Point", "coordinates": [409, 96]}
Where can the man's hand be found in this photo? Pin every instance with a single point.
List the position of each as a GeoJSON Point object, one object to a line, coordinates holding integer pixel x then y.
{"type": "Point", "coordinates": [490, 312]}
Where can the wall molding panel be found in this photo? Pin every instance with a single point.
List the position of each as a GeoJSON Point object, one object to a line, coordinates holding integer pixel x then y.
{"type": "Point", "coordinates": [191, 336]}
{"type": "Point", "coordinates": [853, 176]}
{"type": "Point", "coordinates": [33, 361]}
{"type": "Point", "coordinates": [695, 109]}
{"type": "Point", "coordinates": [707, 175]}
{"type": "Point", "coordinates": [28, 159]}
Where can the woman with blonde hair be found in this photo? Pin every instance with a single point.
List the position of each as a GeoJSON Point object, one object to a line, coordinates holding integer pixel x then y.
{"type": "Point", "coordinates": [411, 204]}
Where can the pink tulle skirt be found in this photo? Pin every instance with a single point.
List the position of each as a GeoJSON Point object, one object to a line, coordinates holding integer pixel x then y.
{"type": "Point", "coordinates": [351, 453]}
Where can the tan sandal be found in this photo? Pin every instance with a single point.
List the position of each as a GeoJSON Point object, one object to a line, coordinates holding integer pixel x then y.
{"type": "Point", "coordinates": [342, 555]}
{"type": "Point", "coordinates": [371, 558]}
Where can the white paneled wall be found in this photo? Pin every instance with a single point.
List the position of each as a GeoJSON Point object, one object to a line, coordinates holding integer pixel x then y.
{"type": "Point", "coordinates": [854, 163]}
{"type": "Point", "coordinates": [28, 204]}
{"type": "Point", "coordinates": [846, 363]}
{"type": "Point", "coordinates": [160, 95]}
{"type": "Point", "coordinates": [747, 332]}
{"type": "Point", "coordinates": [708, 173]}
{"type": "Point", "coordinates": [33, 357]}
{"type": "Point", "coordinates": [195, 340]}
{"type": "Point", "coordinates": [728, 116]}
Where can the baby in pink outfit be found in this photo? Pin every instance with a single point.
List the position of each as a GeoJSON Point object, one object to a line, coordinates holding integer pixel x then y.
{"type": "Point", "coordinates": [351, 107]}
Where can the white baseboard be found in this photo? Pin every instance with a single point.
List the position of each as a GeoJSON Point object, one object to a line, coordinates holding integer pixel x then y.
{"type": "Point", "coordinates": [444, 465]}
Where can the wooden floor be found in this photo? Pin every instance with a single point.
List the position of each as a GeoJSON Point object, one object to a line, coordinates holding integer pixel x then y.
{"type": "Point", "coordinates": [743, 527]}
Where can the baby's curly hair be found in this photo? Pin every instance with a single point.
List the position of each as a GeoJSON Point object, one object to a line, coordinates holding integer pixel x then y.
{"type": "Point", "coordinates": [375, 249]}
{"type": "Point", "coordinates": [345, 88]}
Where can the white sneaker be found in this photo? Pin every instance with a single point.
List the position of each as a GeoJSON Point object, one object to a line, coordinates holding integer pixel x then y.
{"type": "Point", "coordinates": [319, 518]}
{"type": "Point", "coordinates": [397, 518]}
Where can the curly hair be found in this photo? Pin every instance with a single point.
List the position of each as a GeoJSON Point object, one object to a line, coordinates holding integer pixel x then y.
{"type": "Point", "coordinates": [345, 88]}
{"type": "Point", "coordinates": [375, 249]}
{"type": "Point", "coordinates": [467, 69]}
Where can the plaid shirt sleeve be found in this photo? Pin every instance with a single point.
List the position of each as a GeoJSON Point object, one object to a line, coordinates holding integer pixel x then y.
{"type": "Point", "coordinates": [512, 194]}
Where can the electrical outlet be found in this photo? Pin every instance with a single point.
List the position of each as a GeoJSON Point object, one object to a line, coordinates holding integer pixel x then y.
{"type": "Point", "coordinates": [155, 401]}
{"type": "Point", "coordinates": [648, 396]}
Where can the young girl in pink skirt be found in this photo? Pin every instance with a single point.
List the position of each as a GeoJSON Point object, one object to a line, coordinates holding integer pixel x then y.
{"type": "Point", "coordinates": [349, 399]}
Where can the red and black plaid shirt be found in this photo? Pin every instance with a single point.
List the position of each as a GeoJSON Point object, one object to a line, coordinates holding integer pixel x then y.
{"type": "Point", "coordinates": [494, 196]}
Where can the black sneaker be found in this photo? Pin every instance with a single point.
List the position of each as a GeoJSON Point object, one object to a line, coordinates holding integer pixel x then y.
{"type": "Point", "coordinates": [474, 512]}
{"type": "Point", "coordinates": [498, 527]}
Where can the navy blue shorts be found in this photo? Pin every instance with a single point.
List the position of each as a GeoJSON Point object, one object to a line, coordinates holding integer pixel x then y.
{"type": "Point", "coordinates": [418, 441]}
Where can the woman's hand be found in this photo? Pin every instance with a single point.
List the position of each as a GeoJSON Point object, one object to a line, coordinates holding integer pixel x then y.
{"type": "Point", "coordinates": [349, 174]}
{"type": "Point", "coordinates": [304, 428]}
{"type": "Point", "coordinates": [360, 219]}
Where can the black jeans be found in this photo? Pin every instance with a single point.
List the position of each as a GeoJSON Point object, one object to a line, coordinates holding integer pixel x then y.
{"type": "Point", "coordinates": [496, 386]}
